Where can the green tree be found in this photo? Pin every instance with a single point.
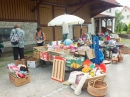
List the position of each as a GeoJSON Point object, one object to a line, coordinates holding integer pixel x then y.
{"type": "Point", "coordinates": [128, 30]}
{"type": "Point", "coordinates": [124, 27]}
{"type": "Point", "coordinates": [129, 26]}
{"type": "Point", "coordinates": [118, 23]}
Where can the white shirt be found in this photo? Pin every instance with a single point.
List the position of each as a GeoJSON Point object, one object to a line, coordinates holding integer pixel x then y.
{"type": "Point", "coordinates": [65, 28]}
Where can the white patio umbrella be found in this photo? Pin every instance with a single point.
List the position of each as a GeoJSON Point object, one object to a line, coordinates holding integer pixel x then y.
{"type": "Point", "coordinates": [64, 21]}
{"type": "Point", "coordinates": [66, 18]}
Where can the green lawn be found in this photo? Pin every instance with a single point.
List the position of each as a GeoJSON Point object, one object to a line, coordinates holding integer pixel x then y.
{"type": "Point", "coordinates": [125, 41]}
{"type": "Point", "coordinates": [123, 32]}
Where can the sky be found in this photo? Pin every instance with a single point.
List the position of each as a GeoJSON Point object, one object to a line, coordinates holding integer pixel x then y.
{"type": "Point", "coordinates": [124, 3]}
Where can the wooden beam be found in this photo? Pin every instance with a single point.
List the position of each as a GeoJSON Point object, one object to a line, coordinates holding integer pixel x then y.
{"type": "Point", "coordinates": [66, 11]}
{"type": "Point", "coordinates": [37, 5]}
{"type": "Point", "coordinates": [101, 11]}
{"type": "Point", "coordinates": [111, 25]}
{"type": "Point", "coordinates": [18, 20]}
{"type": "Point", "coordinates": [103, 19]}
{"type": "Point", "coordinates": [106, 24]}
{"type": "Point", "coordinates": [80, 0]}
{"type": "Point", "coordinates": [53, 4]}
{"type": "Point", "coordinates": [101, 6]}
{"type": "Point", "coordinates": [87, 4]}
{"type": "Point", "coordinates": [53, 28]}
{"type": "Point", "coordinates": [78, 8]}
{"type": "Point", "coordinates": [43, 25]}
{"type": "Point", "coordinates": [96, 8]}
{"type": "Point", "coordinates": [81, 3]}
{"type": "Point", "coordinates": [80, 31]}
{"type": "Point", "coordinates": [38, 16]}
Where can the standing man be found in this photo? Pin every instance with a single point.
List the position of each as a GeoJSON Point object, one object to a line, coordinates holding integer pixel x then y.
{"type": "Point", "coordinates": [65, 31]}
{"type": "Point", "coordinates": [17, 41]}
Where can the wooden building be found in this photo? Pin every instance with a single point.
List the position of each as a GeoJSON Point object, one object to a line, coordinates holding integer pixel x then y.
{"type": "Point", "coordinates": [42, 11]}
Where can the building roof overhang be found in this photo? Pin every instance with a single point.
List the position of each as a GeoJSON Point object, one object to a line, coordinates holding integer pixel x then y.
{"type": "Point", "coordinates": [96, 6]}
{"type": "Point", "coordinates": [99, 16]}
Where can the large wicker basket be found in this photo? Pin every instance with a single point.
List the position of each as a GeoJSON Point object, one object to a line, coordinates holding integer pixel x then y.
{"type": "Point", "coordinates": [92, 79]}
{"type": "Point", "coordinates": [97, 88]}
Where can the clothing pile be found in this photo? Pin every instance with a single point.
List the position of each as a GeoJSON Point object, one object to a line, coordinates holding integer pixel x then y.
{"type": "Point", "coordinates": [77, 80]}
{"type": "Point", "coordinates": [19, 71]}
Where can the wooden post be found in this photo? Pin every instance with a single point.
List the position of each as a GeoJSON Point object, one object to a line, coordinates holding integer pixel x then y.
{"type": "Point", "coordinates": [112, 25]}
{"type": "Point", "coordinates": [106, 24]}
{"type": "Point", "coordinates": [38, 17]}
{"type": "Point", "coordinates": [101, 25]}
{"type": "Point", "coordinates": [53, 28]}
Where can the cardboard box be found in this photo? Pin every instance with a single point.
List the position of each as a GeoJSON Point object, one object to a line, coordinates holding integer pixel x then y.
{"type": "Point", "coordinates": [51, 57]}
{"type": "Point", "coordinates": [19, 81]}
{"type": "Point", "coordinates": [44, 56]}
{"type": "Point", "coordinates": [40, 48]}
{"type": "Point", "coordinates": [32, 62]}
{"type": "Point", "coordinates": [37, 50]}
{"type": "Point", "coordinates": [36, 54]}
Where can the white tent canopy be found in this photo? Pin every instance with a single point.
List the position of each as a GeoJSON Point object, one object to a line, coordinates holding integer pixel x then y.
{"type": "Point", "coordinates": [67, 19]}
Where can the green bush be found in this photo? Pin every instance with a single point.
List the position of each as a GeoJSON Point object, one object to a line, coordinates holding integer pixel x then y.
{"type": "Point", "coordinates": [125, 27]}
{"type": "Point", "coordinates": [128, 31]}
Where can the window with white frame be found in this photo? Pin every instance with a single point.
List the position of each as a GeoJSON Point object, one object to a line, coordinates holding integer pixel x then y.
{"type": "Point", "coordinates": [125, 10]}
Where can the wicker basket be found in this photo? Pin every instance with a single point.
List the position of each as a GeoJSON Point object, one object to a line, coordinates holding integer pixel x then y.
{"type": "Point", "coordinates": [92, 79]}
{"type": "Point", "coordinates": [97, 88]}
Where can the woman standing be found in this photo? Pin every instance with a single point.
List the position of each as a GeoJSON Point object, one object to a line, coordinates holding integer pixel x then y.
{"type": "Point", "coordinates": [18, 47]}
{"type": "Point", "coordinates": [39, 37]}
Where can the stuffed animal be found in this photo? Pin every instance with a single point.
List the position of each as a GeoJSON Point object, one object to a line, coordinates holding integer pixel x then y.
{"type": "Point", "coordinates": [86, 70]}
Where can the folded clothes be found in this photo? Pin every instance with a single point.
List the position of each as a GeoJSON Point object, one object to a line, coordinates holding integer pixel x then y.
{"type": "Point", "coordinates": [19, 71]}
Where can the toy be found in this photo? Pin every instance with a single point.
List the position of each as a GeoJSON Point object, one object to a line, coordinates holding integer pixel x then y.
{"type": "Point", "coordinates": [92, 66]}
{"type": "Point", "coordinates": [68, 42]}
{"type": "Point", "coordinates": [86, 70]}
{"type": "Point", "coordinates": [75, 65]}
{"type": "Point", "coordinates": [61, 45]}
{"type": "Point", "coordinates": [86, 63]}
{"type": "Point", "coordinates": [92, 73]}
{"type": "Point", "coordinates": [103, 67]}
{"type": "Point", "coordinates": [66, 47]}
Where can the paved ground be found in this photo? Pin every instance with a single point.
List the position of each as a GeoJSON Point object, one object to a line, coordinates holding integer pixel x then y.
{"type": "Point", "coordinates": [41, 85]}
